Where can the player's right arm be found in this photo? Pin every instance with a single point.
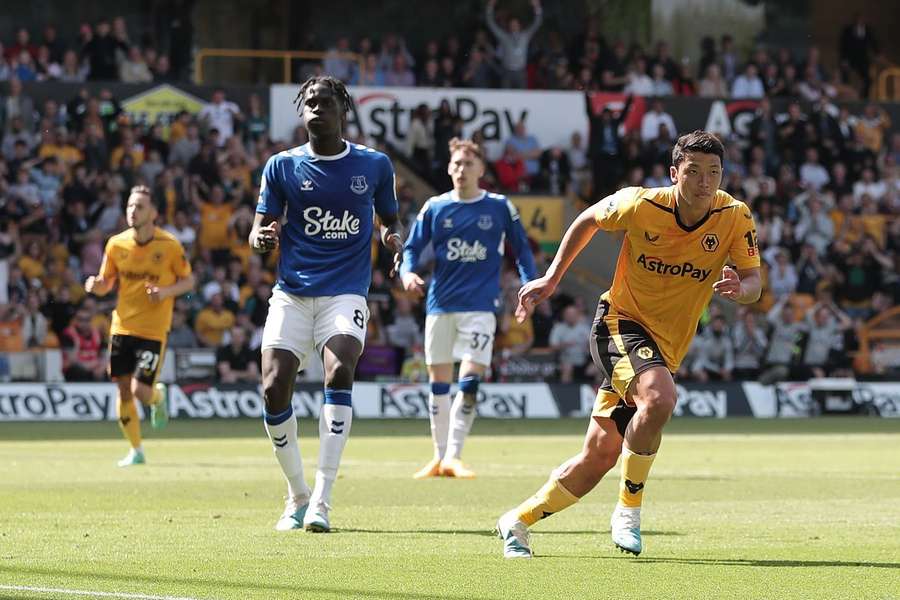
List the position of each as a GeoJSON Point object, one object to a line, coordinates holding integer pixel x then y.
{"type": "Point", "coordinates": [102, 283]}
{"type": "Point", "coordinates": [611, 213]}
{"type": "Point", "coordinates": [419, 236]}
{"type": "Point", "coordinates": [266, 227]}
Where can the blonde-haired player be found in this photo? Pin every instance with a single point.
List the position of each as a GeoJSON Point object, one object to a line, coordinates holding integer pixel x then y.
{"type": "Point", "coordinates": [151, 269]}
{"type": "Point", "coordinates": [678, 241]}
{"type": "Point", "coordinates": [467, 227]}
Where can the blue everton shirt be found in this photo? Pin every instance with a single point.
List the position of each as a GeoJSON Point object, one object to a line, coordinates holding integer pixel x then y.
{"type": "Point", "coordinates": [329, 202]}
{"type": "Point", "coordinates": [468, 238]}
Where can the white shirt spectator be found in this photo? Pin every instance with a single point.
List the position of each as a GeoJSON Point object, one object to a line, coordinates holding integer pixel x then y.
{"type": "Point", "coordinates": [186, 235]}
{"type": "Point", "coordinates": [220, 115]}
{"type": "Point", "coordinates": [570, 339]}
{"type": "Point", "coordinates": [814, 175]}
{"type": "Point", "coordinates": [651, 122]}
{"type": "Point", "coordinates": [639, 84]}
{"type": "Point", "coordinates": [782, 277]}
{"type": "Point", "coordinates": [745, 87]}
{"type": "Point", "coordinates": [875, 189]}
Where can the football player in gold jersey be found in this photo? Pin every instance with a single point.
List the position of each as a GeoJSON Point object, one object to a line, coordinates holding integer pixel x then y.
{"type": "Point", "coordinates": [151, 269]}
{"type": "Point", "coordinates": [679, 244]}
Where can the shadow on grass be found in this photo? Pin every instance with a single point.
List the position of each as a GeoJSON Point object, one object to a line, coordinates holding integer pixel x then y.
{"type": "Point", "coordinates": [292, 590]}
{"type": "Point", "coordinates": [750, 562]}
{"type": "Point", "coordinates": [489, 533]}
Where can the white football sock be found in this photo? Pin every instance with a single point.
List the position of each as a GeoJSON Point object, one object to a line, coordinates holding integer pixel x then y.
{"type": "Point", "coordinates": [287, 451]}
{"type": "Point", "coordinates": [334, 429]}
{"type": "Point", "coordinates": [462, 415]}
{"type": "Point", "coordinates": [439, 414]}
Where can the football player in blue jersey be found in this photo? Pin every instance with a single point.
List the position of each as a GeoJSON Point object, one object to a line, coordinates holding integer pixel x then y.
{"type": "Point", "coordinates": [468, 228]}
{"type": "Point", "coordinates": [316, 204]}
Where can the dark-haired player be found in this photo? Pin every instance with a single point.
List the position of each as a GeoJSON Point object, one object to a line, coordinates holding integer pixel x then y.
{"type": "Point", "coordinates": [467, 227]}
{"type": "Point", "coordinates": [151, 269]}
{"type": "Point", "coordinates": [678, 240]}
{"type": "Point", "coordinates": [325, 193]}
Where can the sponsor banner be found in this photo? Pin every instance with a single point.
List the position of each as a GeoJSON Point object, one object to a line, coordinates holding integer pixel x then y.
{"type": "Point", "coordinates": [58, 402]}
{"type": "Point", "coordinates": [97, 402]}
{"type": "Point", "coordinates": [551, 116]}
{"type": "Point", "coordinates": [542, 217]}
{"type": "Point", "coordinates": [701, 400]}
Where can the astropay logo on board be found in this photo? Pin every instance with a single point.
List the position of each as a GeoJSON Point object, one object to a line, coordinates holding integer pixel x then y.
{"type": "Point", "coordinates": [331, 227]}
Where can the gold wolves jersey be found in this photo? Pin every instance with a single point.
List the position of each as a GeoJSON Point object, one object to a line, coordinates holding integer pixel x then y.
{"type": "Point", "coordinates": [666, 270]}
{"type": "Point", "coordinates": [161, 261]}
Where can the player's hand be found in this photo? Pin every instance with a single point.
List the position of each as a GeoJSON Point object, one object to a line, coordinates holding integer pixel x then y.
{"type": "Point", "coordinates": [414, 284]}
{"type": "Point", "coordinates": [532, 294]}
{"type": "Point", "coordinates": [91, 283]}
{"type": "Point", "coordinates": [154, 293]}
{"type": "Point", "coordinates": [394, 243]}
{"type": "Point", "coordinates": [266, 238]}
{"type": "Point", "coordinates": [729, 286]}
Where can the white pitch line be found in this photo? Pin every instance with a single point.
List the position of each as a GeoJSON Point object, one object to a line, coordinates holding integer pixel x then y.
{"type": "Point", "coordinates": [43, 590]}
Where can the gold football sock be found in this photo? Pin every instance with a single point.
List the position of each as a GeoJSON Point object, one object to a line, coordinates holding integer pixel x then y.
{"type": "Point", "coordinates": [129, 422]}
{"type": "Point", "coordinates": [635, 468]}
{"type": "Point", "coordinates": [551, 498]}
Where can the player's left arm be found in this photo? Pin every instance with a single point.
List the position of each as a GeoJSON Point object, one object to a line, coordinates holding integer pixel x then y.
{"type": "Point", "coordinates": [184, 280]}
{"type": "Point", "coordinates": [387, 209]}
{"type": "Point", "coordinates": [519, 241]}
{"type": "Point", "coordinates": [743, 283]}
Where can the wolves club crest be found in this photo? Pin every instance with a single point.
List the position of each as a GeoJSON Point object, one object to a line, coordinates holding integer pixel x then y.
{"type": "Point", "coordinates": [358, 184]}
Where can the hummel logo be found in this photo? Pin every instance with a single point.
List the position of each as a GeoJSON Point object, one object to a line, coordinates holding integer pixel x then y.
{"type": "Point", "coordinates": [306, 186]}
{"type": "Point", "coordinates": [467, 409]}
{"type": "Point", "coordinates": [650, 238]}
{"type": "Point", "coordinates": [337, 427]}
{"type": "Point", "coordinates": [125, 420]}
{"type": "Point", "coordinates": [633, 487]}
{"type": "Point", "coordinates": [281, 441]}
{"type": "Point", "coordinates": [448, 223]}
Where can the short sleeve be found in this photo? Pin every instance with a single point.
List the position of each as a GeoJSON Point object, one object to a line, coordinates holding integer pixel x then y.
{"type": "Point", "coordinates": [744, 250]}
{"type": "Point", "coordinates": [614, 212]}
{"type": "Point", "coordinates": [181, 266]}
{"type": "Point", "coordinates": [108, 268]}
{"type": "Point", "coordinates": [271, 196]}
{"type": "Point", "coordinates": [386, 192]}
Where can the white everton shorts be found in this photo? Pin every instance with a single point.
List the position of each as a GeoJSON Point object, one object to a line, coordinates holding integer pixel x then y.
{"type": "Point", "coordinates": [451, 337]}
{"type": "Point", "coordinates": [303, 324]}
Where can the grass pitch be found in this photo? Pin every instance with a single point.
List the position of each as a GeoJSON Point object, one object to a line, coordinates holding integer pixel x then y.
{"type": "Point", "coordinates": [733, 509]}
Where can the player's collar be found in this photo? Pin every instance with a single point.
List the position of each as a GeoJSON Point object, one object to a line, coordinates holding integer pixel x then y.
{"type": "Point", "coordinates": [455, 197]}
{"type": "Point", "coordinates": [338, 156]}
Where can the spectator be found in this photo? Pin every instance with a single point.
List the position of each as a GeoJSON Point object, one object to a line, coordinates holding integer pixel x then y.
{"type": "Point", "coordinates": [479, 72]}
{"type": "Point", "coordinates": [639, 83]}
{"type": "Point", "coordinates": [749, 341]}
{"type": "Point", "coordinates": [715, 356]}
{"type": "Point", "coordinates": [17, 104]}
{"type": "Point", "coordinates": [812, 174]}
{"type": "Point", "coordinates": [512, 45]}
{"type": "Point", "coordinates": [748, 84]}
{"type": "Point", "coordinates": [338, 61]}
{"type": "Point", "coordinates": [605, 145]}
{"type": "Point", "coordinates": [215, 215]}
{"type": "Point", "coordinates": [133, 69]}
{"type": "Point", "coordinates": [653, 118]}
{"type": "Point", "coordinates": [661, 85]}
{"type": "Point", "coordinates": [511, 173]}
{"type": "Point", "coordinates": [400, 73]}
{"type": "Point", "coordinates": [73, 69]}
{"type": "Point", "coordinates": [857, 47]}
{"type": "Point", "coordinates": [81, 341]}
{"type": "Point", "coordinates": [568, 339]}
{"type": "Point", "coordinates": [555, 172]}
{"type": "Point", "coordinates": [220, 115]}
{"type": "Point", "coordinates": [181, 335]}
{"type": "Point", "coordinates": [235, 361]}
{"type": "Point", "coordinates": [186, 148]}
{"type": "Point", "coordinates": [785, 336]}
{"type": "Point", "coordinates": [527, 147]}
{"type": "Point", "coordinates": [23, 44]}
{"type": "Point", "coordinates": [101, 52]}
{"type": "Point", "coordinates": [815, 226]}
{"type": "Point", "coordinates": [404, 332]}
{"type": "Point", "coordinates": [782, 276]}
{"type": "Point", "coordinates": [728, 58]}
{"type": "Point", "coordinates": [713, 85]}
{"type": "Point", "coordinates": [825, 325]}
{"type": "Point", "coordinates": [35, 327]}
{"type": "Point", "coordinates": [419, 140]}
{"type": "Point", "coordinates": [868, 186]}
{"type": "Point", "coordinates": [213, 321]}
{"type": "Point", "coordinates": [183, 231]}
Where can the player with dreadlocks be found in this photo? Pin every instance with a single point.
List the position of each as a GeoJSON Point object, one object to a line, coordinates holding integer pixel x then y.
{"type": "Point", "coordinates": [316, 203]}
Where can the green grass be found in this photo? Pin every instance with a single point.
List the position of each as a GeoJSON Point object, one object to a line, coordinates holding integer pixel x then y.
{"type": "Point", "coordinates": [733, 509]}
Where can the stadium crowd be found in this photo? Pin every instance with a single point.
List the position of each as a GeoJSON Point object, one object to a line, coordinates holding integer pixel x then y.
{"type": "Point", "coordinates": [823, 184]}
